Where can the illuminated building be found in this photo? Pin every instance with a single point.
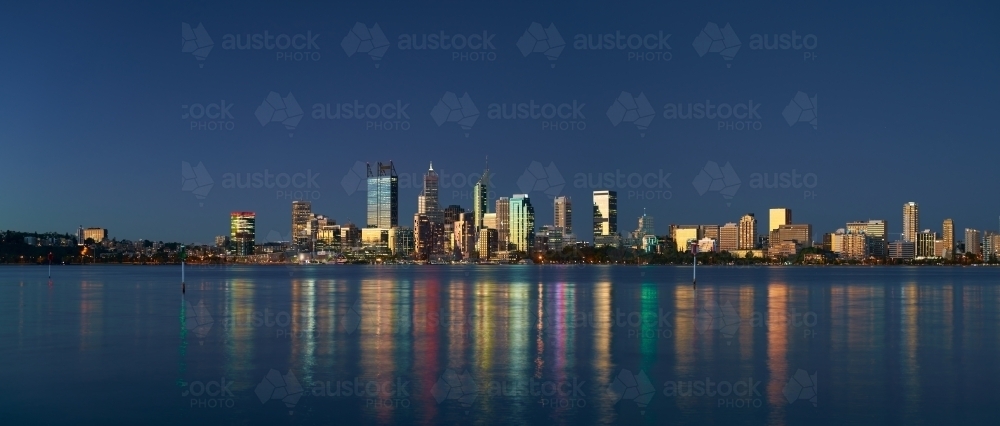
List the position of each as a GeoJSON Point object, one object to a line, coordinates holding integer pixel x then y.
{"type": "Point", "coordinates": [242, 233]}
{"type": "Point", "coordinates": [383, 197]}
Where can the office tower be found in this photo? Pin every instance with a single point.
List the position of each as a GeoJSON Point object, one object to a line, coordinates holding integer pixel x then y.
{"type": "Point", "coordinates": [972, 241]}
{"type": "Point", "coordinates": [911, 222]}
{"type": "Point", "coordinates": [79, 236]}
{"type": "Point", "coordinates": [480, 197]}
{"type": "Point", "coordinates": [748, 232]}
{"type": "Point", "coordinates": [328, 238]}
{"type": "Point", "coordinates": [948, 238]}
{"type": "Point", "coordinates": [350, 236]}
{"type": "Point", "coordinates": [646, 227]}
{"type": "Point", "coordinates": [486, 243]}
{"type": "Point", "coordinates": [799, 233]}
{"type": "Point", "coordinates": [877, 228]}
{"type": "Point", "coordinates": [222, 241]}
{"type": "Point", "coordinates": [991, 246]}
{"type": "Point", "coordinates": [301, 215]}
{"type": "Point", "coordinates": [401, 241]}
{"type": "Point", "coordinates": [605, 218]}
{"type": "Point", "coordinates": [563, 213]}
{"type": "Point", "coordinates": [778, 217]}
{"type": "Point", "coordinates": [490, 220]}
{"type": "Point", "coordinates": [452, 212]}
{"type": "Point", "coordinates": [522, 223]}
{"type": "Point", "coordinates": [902, 250]}
{"type": "Point", "coordinates": [96, 234]}
{"type": "Point", "coordinates": [422, 236]}
{"type": "Point", "coordinates": [729, 237]}
{"type": "Point", "coordinates": [709, 231]}
{"type": "Point", "coordinates": [684, 235]}
{"type": "Point", "coordinates": [503, 223]}
{"type": "Point", "coordinates": [242, 232]}
{"type": "Point", "coordinates": [383, 196]}
{"type": "Point", "coordinates": [464, 234]}
{"type": "Point", "coordinates": [925, 243]}
{"type": "Point", "coordinates": [427, 201]}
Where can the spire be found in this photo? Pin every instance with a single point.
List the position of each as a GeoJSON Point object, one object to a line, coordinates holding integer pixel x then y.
{"type": "Point", "coordinates": [432, 166]}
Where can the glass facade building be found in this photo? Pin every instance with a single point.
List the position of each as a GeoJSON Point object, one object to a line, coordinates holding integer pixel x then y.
{"type": "Point", "coordinates": [242, 233]}
{"type": "Point", "coordinates": [383, 196]}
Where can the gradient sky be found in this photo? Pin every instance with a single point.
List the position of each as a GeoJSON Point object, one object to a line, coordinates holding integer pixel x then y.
{"type": "Point", "coordinates": [91, 96]}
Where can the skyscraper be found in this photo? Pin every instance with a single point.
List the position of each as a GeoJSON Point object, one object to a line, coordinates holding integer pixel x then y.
{"type": "Point", "coordinates": [948, 229]}
{"type": "Point", "coordinates": [911, 222]}
{"type": "Point", "coordinates": [563, 213]}
{"type": "Point", "coordinates": [480, 197]}
{"type": "Point", "coordinates": [729, 237]}
{"type": "Point", "coordinates": [605, 217]}
{"type": "Point", "coordinates": [972, 241]}
{"type": "Point", "coordinates": [242, 232]}
{"type": "Point", "coordinates": [748, 232]}
{"type": "Point", "coordinates": [522, 223]}
{"type": "Point", "coordinates": [301, 215]}
{"type": "Point", "coordinates": [779, 216]}
{"type": "Point", "coordinates": [427, 201]}
{"type": "Point", "coordinates": [503, 223]}
{"type": "Point", "coordinates": [799, 233]}
{"type": "Point", "coordinates": [646, 227]}
{"type": "Point", "coordinates": [383, 197]}
{"type": "Point", "coordinates": [925, 243]}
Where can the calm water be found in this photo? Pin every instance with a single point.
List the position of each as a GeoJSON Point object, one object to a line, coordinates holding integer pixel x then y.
{"type": "Point", "coordinates": [500, 345]}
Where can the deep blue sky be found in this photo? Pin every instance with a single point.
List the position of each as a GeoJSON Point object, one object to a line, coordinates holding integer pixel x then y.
{"type": "Point", "coordinates": [91, 96]}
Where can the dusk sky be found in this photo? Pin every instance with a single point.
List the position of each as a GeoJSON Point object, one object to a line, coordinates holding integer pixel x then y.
{"type": "Point", "coordinates": [93, 99]}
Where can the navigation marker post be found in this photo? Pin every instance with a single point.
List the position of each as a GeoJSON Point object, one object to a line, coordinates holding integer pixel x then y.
{"type": "Point", "coordinates": [183, 255]}
{"type": "Point", "coordinates": [694, 267]}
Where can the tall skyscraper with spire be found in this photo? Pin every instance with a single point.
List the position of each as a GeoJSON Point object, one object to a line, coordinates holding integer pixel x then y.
{"type": "Point", "coordinates": [480, 197]}
{"type": "Point", "coordinates": [427, 201]}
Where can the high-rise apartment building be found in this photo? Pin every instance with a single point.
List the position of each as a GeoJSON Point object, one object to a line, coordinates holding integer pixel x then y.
{"type": "Point", "coordinates": [925, 243]}
{"type": "Point", "coordinates": [911, 222]}
{"type": "Point", "coordinates": [710, 231]}
{"type": "Point", "coordinates": [605, 217]}
{"type": "Point", "coordinates": [301, 215]}
{"type": "Point", "coordinates": [503, 223]}
{"type": "Point", "coordinates": [522, 223]}
{"type": "Point", "coordinates": [383, 196]}
{"type": "Point", "coordinates": [748, 232]}
{"type": "Point", "coordinates": [486, 243]}
{"type": "Point", "coordinates": [948, 238]}
{"type": "Point", "coordinates": [96, 234]}
{"type": "Point", "coordinates": [779, 216]}
{"type": "Point", "coordinates": [464, 234]}
{"type": "Point", "coordinates": [972, 241]}
{"type": "Point", "coordinates": [563, 212]}
{"type": "Point", "coordinates": [242, 233]}
{"type": "Point", "coordinates": [729, 237]}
